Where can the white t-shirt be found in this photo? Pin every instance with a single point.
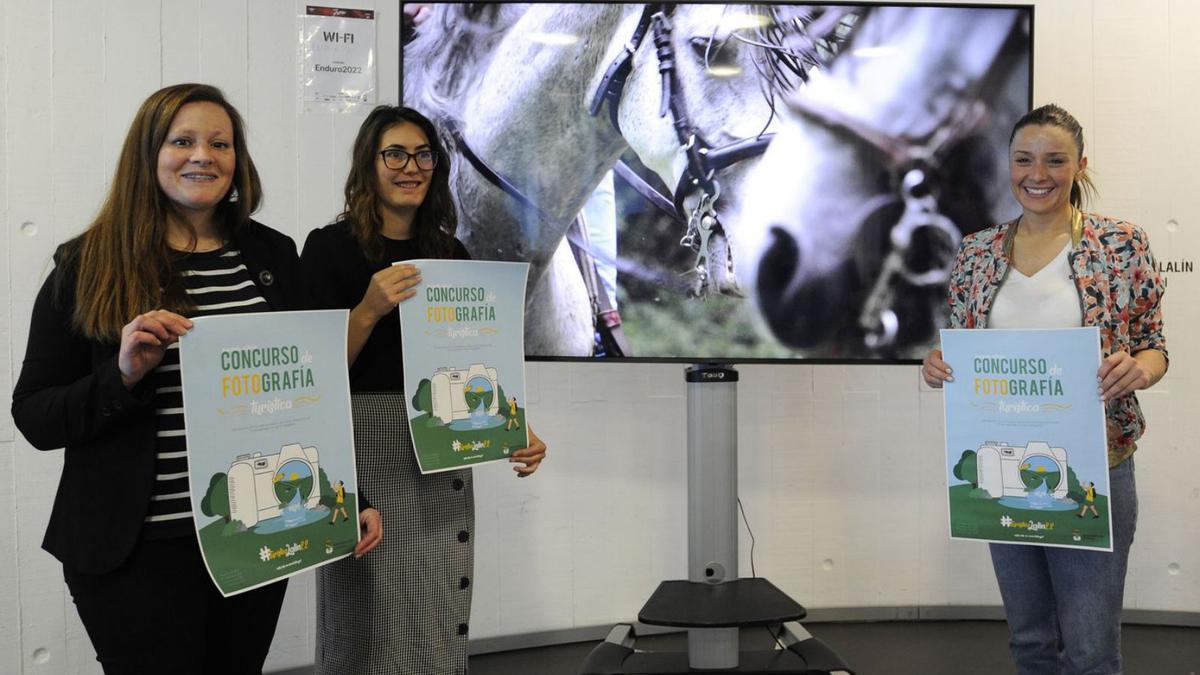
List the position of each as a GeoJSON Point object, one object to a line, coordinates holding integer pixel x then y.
{"type": "Point", "coordinates": [1048, 299]}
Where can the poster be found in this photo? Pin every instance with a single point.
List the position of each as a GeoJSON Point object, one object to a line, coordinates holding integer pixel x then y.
{"type": "Point", "coordinates": [464, 362]}
{"type": "Point", "coordinates": [338, 57]}
{"type": "Point", "coordinates": [266, 397]}
{"type": "Point", "coordinates": [1026, 448]}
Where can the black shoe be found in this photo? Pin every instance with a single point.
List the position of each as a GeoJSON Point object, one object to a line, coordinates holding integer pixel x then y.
{"type": "Point", "coordinates": [1078, 515]}
{"type": "Point", "coordinates": [1096, 516]}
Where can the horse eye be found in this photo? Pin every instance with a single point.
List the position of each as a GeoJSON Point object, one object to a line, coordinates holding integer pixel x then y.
{"type": "Point", "coordinates": [699, 47]}
{"type": "Point", "coordinates": [712, 53]}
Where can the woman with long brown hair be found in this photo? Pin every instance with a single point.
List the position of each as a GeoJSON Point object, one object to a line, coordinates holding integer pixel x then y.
{"type": "Point", "coordinates": [173, 239]}
{"type": "Point", "coordinates": [404, 609]}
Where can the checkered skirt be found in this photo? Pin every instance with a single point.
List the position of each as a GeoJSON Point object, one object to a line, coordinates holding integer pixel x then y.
{"type": "Point", "coordinates": [404, 607]}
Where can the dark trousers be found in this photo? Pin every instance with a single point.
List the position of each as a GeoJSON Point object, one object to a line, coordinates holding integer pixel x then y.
{"type": "Point", "coordinates": [159, 612]}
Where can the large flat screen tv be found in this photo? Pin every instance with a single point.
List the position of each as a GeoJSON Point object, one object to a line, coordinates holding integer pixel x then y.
{"type": "Point", "coordinates": [730, 183]}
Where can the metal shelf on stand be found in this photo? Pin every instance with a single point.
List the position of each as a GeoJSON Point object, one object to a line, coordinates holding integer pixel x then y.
{"type": "Point", "coordinates": [741, 602]}
{"type": "Point", "coordinates": [713, 603]}
{"type": "Point", "coordinates": [796, 656]}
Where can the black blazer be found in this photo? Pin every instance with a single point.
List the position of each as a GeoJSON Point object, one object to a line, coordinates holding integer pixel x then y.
{"type": "Point", "coordinates": [69, 394]}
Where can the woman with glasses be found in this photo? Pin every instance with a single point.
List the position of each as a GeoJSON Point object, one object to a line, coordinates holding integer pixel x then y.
{"type": "Point", "coordinates": [173, 240]}
{"type": "Point", "coordinates": [405, 608]}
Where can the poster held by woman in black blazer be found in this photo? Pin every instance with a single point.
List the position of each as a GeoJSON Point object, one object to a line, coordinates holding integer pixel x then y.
{"type": "Point", "coordinates": [172, 240]}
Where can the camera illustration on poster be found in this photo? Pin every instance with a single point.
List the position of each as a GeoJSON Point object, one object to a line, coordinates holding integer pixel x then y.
{"type": "Point", "coordinates": [1026, 448]}
{"type": "Point", "coordinates": [464, 364]}
{"type": "Point", "coordinates": [270, 444]}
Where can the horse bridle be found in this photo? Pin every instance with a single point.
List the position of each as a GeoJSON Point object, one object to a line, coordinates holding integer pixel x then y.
{"type": "Point", "coordinates": [910, 163]}
{"type": "Point", "coordinates": [703, 160]}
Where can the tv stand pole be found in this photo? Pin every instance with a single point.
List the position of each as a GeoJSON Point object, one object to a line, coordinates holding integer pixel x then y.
{"type": "Point", "coordinates": [714, 603]}
{"type": "Point", "coordinates": [712, 501]}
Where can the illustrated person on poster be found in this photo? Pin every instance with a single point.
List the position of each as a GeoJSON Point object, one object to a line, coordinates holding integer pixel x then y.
{"type": "Point", "coordinates": [1089, 500]}
{"type": "Point", "coordinates": [1058, 267]}
{"type": "Point", "coordinates": [173, 240]}
{"type": "Point", "coordinates": [398, 208]}
{"type": "Point", "coordinates": [512, 415]}
{"type": "Point", "coordinates": [339, 501]}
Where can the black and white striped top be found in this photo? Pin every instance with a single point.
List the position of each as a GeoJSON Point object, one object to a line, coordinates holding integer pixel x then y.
{"type": "Point", "coordinates": [218, 283]}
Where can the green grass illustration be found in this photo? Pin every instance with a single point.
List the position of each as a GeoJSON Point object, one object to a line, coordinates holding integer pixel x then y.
{"type": "Point", "coordinates": [429, 433]}
{"type": "Point", "coordinates": [235, 557]}
{"type": "Point", "coordinates": [978, 518]}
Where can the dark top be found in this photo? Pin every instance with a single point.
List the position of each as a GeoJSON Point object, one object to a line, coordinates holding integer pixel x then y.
{"type": "Point", "coordinates": [70, 395]}
{"type": "Point", "coordinates": [338, 274]}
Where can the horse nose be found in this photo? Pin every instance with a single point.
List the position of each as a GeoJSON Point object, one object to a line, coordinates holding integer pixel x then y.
{"type": "Point", "coordinates": [779, 265]}
{"type": "Point", "coordinates": [798, 311]}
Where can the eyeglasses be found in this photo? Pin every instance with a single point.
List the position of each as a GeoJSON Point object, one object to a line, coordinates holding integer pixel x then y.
{"type": "Point", "coordinates": [396, 159]}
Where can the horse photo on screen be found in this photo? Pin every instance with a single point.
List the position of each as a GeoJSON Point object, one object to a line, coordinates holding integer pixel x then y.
{"type": "Point", "coordinates": [538, 103]}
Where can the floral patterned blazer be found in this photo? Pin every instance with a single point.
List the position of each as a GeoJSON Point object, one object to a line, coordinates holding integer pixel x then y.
{"type": "Point", "coordinates": [1120, 291]}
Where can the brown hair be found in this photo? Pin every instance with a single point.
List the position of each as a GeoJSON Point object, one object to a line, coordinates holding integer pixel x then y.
{"type": "Point", "coordinates": [123, 259]}
{"type": "Point", "coordinates": [1052, 115]}
{"type": "Point", "coordinates": [435, 221]}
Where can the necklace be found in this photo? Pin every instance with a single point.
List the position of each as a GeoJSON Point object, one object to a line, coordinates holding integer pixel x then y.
{"type": "Point", "coordinates": [1076, 232]}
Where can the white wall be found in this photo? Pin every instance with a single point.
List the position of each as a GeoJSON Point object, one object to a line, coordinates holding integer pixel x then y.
{"type": "Point", "coordinates": [841, 467]}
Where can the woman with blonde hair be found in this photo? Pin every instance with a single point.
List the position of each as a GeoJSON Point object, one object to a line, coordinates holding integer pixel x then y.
{"type": "Point", "coordinates": [1056, 266]}
{"type": "Point", "coordinates": [173, 239]}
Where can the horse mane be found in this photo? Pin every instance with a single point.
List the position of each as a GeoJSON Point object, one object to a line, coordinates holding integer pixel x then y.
{"type": "Point", "coordinates": [454, 36]}
{"type": "Point", "coordinates": [792, 40]}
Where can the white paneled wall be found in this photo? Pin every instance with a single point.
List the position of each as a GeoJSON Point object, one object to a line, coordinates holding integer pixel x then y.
{"type": "Point", "coordinates": [11, 656]}
{"type": "Point", "coordinates": [841, 471]}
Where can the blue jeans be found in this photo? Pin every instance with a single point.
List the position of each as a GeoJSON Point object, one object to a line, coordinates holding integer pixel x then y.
{"type": "Point", "coordinates": [1064, 605]}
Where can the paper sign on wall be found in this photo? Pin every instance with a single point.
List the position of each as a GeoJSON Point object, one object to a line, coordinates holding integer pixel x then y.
{"type": "Point", "coordinates": [338, 58]}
